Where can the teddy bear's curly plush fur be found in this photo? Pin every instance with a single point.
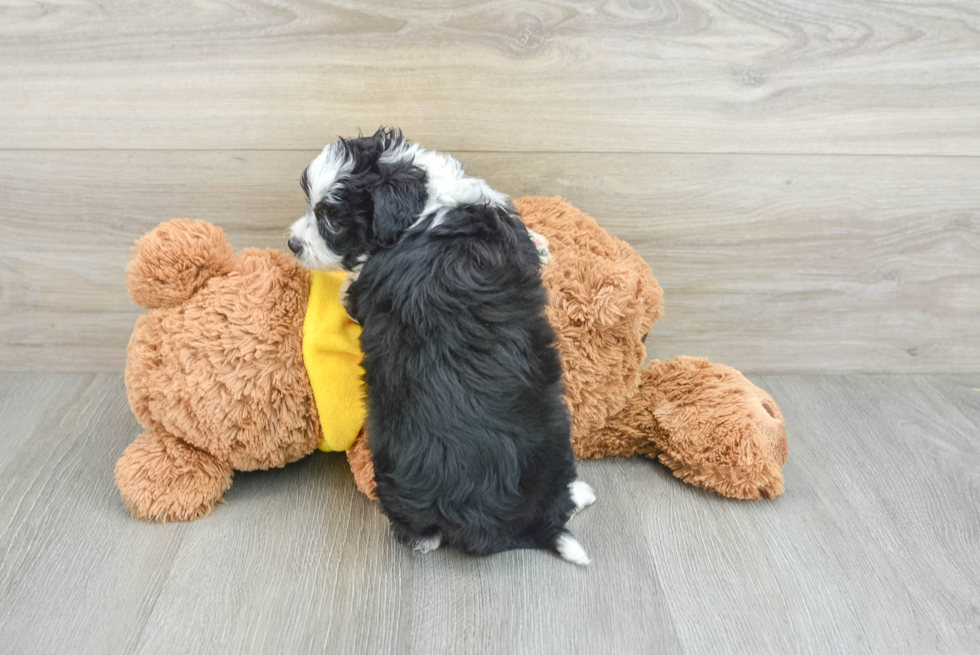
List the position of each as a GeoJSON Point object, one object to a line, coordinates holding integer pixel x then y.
{"type": "Point", "coordinates": [215, 370]}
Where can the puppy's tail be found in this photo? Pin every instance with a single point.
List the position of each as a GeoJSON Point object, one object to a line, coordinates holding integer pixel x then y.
{"type": "Point", "coordinates": [570, 549]}
{"type": "Point", "coordinates": [176, 259]}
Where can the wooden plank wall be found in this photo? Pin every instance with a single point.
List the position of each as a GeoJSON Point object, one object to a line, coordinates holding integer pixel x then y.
{"type": "Point", "coordinates": [803, 177]}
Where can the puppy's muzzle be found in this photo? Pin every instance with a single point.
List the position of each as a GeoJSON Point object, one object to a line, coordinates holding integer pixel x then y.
{"type": "Point", "coordinates": [295, 245]}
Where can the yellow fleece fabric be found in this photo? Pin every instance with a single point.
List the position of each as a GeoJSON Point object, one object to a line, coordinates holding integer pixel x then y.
{"type": "Point", "coordinates": [332, 355]}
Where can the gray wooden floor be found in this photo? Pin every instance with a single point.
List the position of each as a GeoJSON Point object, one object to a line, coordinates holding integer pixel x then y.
{"type": "Point", "coordinates": [874, 547]}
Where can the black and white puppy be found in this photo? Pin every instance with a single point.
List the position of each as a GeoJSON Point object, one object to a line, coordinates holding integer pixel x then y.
{"type": "Point", "coordinates": [467, 426]}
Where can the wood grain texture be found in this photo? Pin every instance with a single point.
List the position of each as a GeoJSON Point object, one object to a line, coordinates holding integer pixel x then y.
{"type": "Point", "coordinates": [788, 263]}
{"type": "Point", "coordinates": [523, 602]}
{"type": "Point", "coordinates": [297, 561]}
{"type": "Point", "coordinates": [909, 466]}
{"type": "Point", "coordinates": [872, 548]}
{"type": "Point", "coordinates": [560, 75]}
{"type": "Point", "coordinates": [72, 580]}
{"type": "Point", "coordinates": [869, 550]}
{"type": "Point", "coordinates": [960, 391]}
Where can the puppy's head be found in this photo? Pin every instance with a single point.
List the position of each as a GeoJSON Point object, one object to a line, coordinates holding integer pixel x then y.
{"type": "Point", "coordinates": [361, 195]}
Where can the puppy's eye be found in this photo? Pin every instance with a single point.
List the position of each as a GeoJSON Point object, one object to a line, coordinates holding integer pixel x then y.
{"type": "Point", "coordinates": [329, 225]}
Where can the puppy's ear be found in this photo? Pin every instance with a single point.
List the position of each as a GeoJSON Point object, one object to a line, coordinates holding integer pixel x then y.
{"type": "Point", "coordinates": [398, 201]}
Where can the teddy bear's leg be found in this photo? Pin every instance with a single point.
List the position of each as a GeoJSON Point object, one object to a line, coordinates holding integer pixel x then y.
{"type": "Point", "coordinates": [708, 424]}
{"type": "Point", "coordinates": [721, 432]}
{"type": "Point", "coordinates": [161, 477]}
{"type": "Point", "coordinates": [359, 458]}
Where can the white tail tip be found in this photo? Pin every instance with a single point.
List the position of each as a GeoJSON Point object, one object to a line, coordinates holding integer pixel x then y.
{"type": "Point", "coordinates": [571, 550]}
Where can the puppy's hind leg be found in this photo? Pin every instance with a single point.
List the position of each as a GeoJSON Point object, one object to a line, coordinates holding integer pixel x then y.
{"type": "Point", "coordinates": [570, 549]}
{"type": "Point", "coordinates": [582, 494]}
{"type": "Point", "coordinates": [425, 543]}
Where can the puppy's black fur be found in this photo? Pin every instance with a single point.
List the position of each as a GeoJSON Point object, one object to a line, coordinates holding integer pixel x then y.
{"type": "Point", "coordinates": [467, 426]}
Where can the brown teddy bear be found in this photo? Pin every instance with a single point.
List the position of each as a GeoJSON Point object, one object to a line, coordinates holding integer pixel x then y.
{"type": "Point", "coordinates": [216, 376]}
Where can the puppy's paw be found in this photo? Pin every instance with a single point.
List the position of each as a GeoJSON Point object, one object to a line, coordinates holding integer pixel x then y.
{"type": "Point", "coordinates": [571, 550]}
{"type": "Point", "coordinates": [582, 494]}
{"type": "Point", "coordinates": [541, 243]}
{"type": "Point", "coordinates": [427, 544]}
{"type": "Point", "coordinates": [344, 287]}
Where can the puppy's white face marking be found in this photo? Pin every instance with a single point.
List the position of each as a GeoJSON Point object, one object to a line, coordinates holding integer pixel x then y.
{"type": "Point", "coordinates": [315, 253]}
{"type": "Point", "coordinates": [323, 174]}
{"type": "Point", "coordinates": [328, 168]}
{"type": "Point", "coordinates": [582, 494]}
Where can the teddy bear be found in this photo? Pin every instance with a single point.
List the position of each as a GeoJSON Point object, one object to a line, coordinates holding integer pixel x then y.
{"type": "Point", "coordinates": [219, 376]}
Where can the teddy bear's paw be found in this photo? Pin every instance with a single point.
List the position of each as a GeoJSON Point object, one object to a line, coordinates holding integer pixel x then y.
{"type": "Point", "coordinates": [162, 478]}
{"type": "Point", "coordinates": [582, 494]}
{"type": "Point", "coordinates": [758, 482]}
{"type": "Point", "coordinates": [716, 430]}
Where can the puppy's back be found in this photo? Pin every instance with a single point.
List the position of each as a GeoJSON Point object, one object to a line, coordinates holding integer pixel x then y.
{"type": "Point", "coordinates": [467, 424]}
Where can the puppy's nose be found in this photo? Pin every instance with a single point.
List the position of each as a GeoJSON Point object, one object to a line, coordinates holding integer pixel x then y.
{"type": "Point", "coordinates": [294, 245]}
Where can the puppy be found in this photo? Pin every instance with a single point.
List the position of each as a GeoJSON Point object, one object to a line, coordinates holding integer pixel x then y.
{"type": "Point", "coordinates": [467, 426]}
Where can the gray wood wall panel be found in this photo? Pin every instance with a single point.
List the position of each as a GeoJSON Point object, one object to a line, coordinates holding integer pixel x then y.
{"type": "Point", "coordinates": [556, 75]}
{"type": "Point", "coordinates": [789, 263]}
{"type": "Point", "coordinates": [801, 176]}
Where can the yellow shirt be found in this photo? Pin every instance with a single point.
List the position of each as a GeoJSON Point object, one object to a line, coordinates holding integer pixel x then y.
{"type": "Point", "coordinates": [332, 355]}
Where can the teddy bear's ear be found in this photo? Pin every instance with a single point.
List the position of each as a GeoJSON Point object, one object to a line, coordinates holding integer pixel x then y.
{"type": "Point", "coordinates": [176, 259]}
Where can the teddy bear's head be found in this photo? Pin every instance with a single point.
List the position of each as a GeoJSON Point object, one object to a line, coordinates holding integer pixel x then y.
{"type": "Point", "coordinates": [603, 300]}
{"type": "Point", "coordinates": [218, 361]}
